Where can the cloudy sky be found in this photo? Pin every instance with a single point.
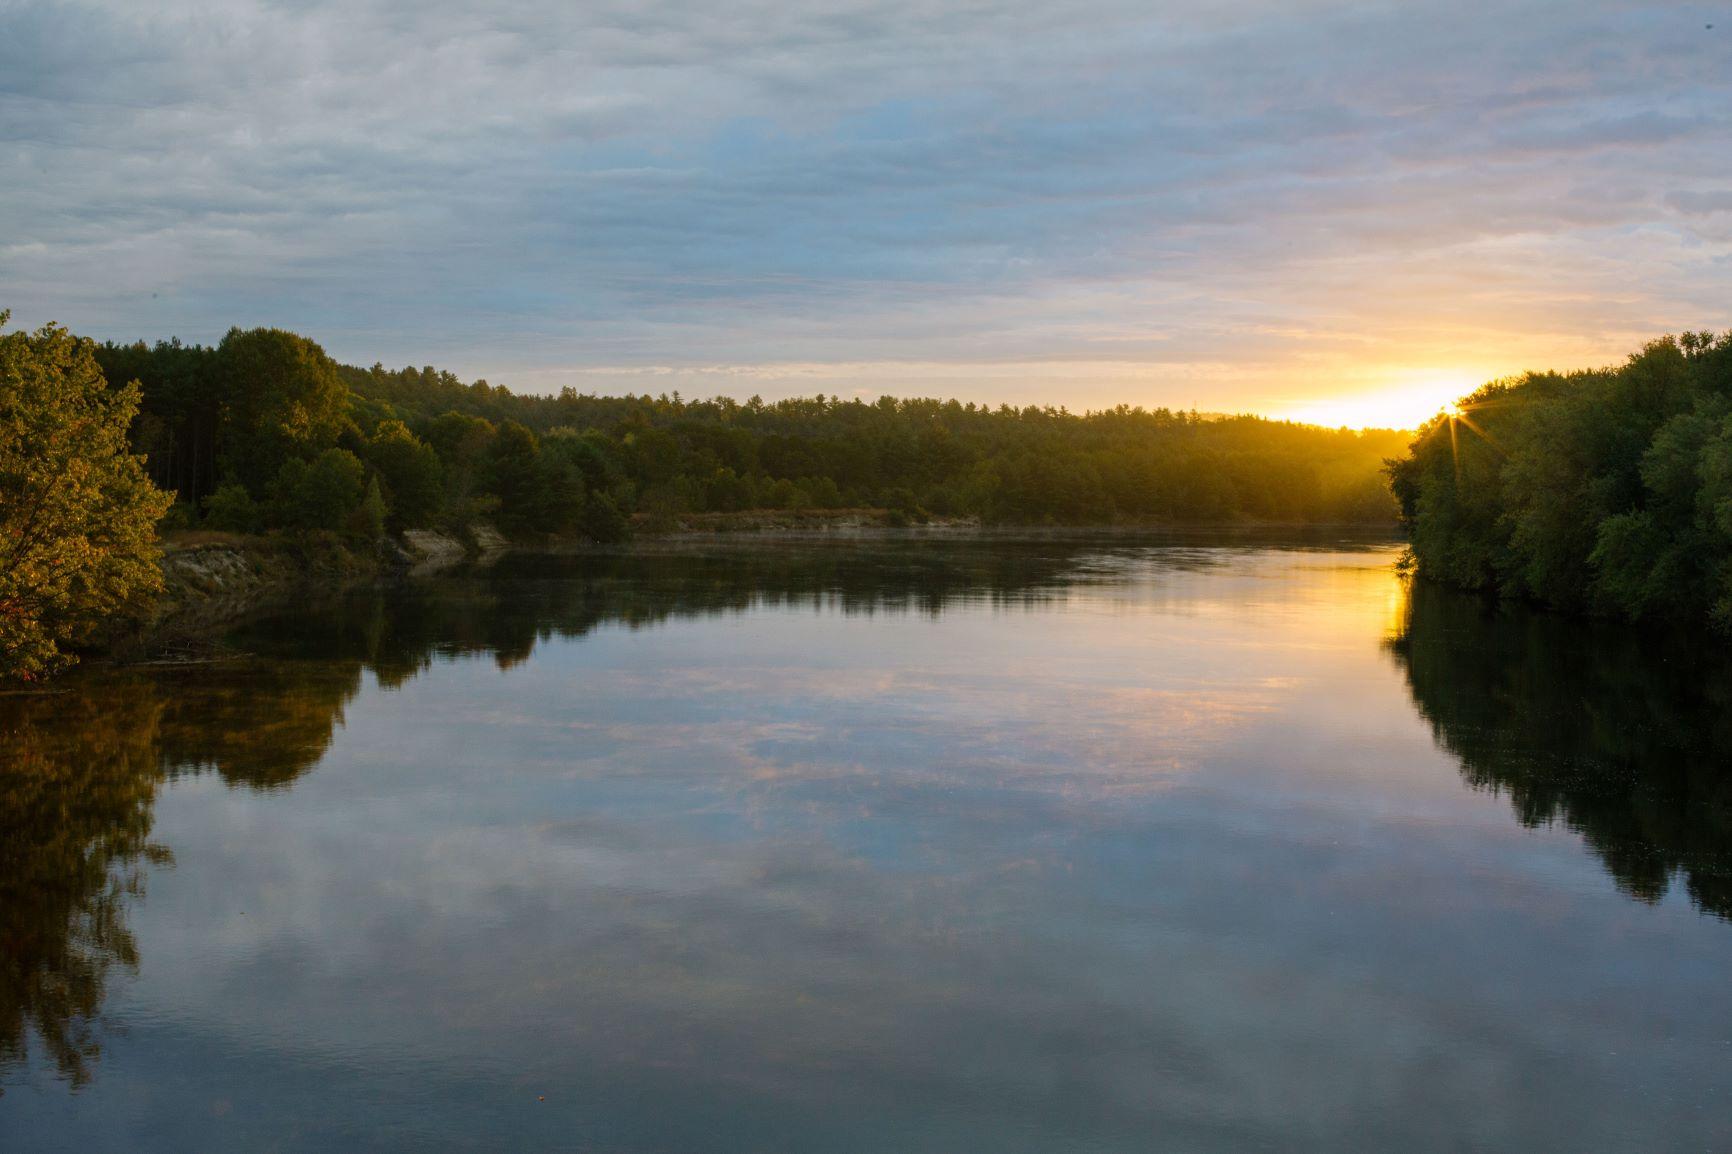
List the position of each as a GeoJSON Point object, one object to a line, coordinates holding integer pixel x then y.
{"type": "Point", "coordinates": [1299, 207]}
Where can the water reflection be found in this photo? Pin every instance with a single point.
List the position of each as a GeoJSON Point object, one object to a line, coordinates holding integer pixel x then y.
{"type": "Point", "coordinates": [80, 769]}
{"type": "Point", "coordinates": [76, 790]}
{"type": "Point", "coordinates": [503, 611]}
{"type": "Point", "coordinates": [79, 774]}
{"type": "Point", "coordinates": [1623, 735]}
{"type": "Point", "coordinates": [1086, 865]}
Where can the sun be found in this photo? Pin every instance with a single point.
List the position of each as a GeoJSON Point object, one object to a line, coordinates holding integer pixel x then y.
{"type": "Point", "coordinates": [1405, 401]}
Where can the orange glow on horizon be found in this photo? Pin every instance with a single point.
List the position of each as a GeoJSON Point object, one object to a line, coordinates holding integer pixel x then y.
{"type": "Point", "coordinates": [1406, 401]}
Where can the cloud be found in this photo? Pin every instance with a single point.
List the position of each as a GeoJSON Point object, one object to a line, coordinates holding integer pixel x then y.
{"type": "Point", "coordinates": [1240, 203]}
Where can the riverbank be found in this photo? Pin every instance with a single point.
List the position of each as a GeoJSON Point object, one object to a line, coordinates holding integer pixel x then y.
{"type": "Point", "coordinates": [213, 579]}
{"type": "Point", "coordinates": [870, 524]}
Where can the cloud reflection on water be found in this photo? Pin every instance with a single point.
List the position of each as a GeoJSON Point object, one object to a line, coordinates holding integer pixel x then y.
{"type": "Point", "coordinates": [1041, 863]}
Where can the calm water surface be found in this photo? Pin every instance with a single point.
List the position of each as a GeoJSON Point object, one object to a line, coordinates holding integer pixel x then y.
{"type": "Point", "coordinates": [887, 847]}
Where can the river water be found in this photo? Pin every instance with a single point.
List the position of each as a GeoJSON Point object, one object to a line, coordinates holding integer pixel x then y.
{"type": "Point", "coordinates": [1197, 844]}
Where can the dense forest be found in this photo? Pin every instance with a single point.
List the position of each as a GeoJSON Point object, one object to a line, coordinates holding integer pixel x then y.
{"type": "Point", "coordinates": [264, 431]}
{"type": "Point", "coordinates": [1605, 492]}
{"type": "Point", "coordinates": [105, 448]}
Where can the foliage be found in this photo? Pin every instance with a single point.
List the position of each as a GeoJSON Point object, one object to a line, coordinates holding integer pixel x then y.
{"type": "Point", "coordinates": [282, 400]}
{"type": "Point", "coordinates": [320, 494]}
{"type": "Point", "coordinates": [1605, 492]}
{"type": "Point", "coordinates": [178, 416]}
{"type": "Point", "coordinates": [180, 516]}
{"type": "Point", "coordinates": [411, 471]}
{"type": "Point", "coordinates": [448, 452]}
{"type": "Point", "coordinates": [368, 520]}
{"type": "Point", "coordinates": [602, 521]}
{"type": "Point", "coordinates": [77, 510]}
{"type": "Point", "coordinates": [666, 456]}
{"type": "Point", "coordinates": [232, 508]}
{"type": "Point", "coordinates": [513, 473]}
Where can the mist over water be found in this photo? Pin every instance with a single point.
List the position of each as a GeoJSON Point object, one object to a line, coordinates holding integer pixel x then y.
{"type": "Point", "coordinates": [1191, 844]}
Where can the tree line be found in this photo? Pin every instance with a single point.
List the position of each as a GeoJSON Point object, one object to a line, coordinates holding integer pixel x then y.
{"type": "Point", "coordinates": [105, 447]}
{"type": "Point", "coordinates": [1605, 492]}
{"type": "Point", "coordinates": [264, 431]}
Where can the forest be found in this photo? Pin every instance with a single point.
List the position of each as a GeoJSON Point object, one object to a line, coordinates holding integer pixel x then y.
{"type": "Point", "coordinates": [106, 449]}
{"type": "Point", "coordinates": [1604, 492]}
{"type": "Point", "coordinates": [264, 431]}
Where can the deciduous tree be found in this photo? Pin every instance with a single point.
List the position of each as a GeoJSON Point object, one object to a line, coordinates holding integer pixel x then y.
{"type": "Point", "coordinates": [77, 509]}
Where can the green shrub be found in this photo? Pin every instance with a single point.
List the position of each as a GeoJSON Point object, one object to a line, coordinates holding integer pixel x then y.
{"type": "Point", "coordinates": [233, 509]}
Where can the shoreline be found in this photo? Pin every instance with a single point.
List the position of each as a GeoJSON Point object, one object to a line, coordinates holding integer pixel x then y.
{"type": "Point", "coordinates": [215, 580]}
{"type": "Point", "coordinates": [881, 524]}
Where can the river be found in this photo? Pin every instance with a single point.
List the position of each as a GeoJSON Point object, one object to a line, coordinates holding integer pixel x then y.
{"type": "Point", "coordinates": [1190, 844]}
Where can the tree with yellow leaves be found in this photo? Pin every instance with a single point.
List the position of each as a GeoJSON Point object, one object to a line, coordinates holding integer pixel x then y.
{"type": "Point", "coordinates": [77, 510]}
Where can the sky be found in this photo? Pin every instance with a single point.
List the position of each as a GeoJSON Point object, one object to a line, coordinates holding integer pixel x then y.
{"type": "Point", "coordinates": [1343, 212]}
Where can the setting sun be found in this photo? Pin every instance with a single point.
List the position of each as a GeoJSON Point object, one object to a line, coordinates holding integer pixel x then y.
{"type": "Point", "coordinates": [1406, 401]}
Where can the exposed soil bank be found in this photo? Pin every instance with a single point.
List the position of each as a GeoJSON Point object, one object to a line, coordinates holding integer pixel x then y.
{"type": "Point", "coordinates": [213, 579]}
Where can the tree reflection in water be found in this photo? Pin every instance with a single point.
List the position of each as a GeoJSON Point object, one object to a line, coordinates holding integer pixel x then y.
{"type": "Point", "coordinates": [79, 780]}
{"type": "Point", "coordinates": [1623, 735]}
{"type": "Point", "coordinates": [1618, 734]}
{"type": "Point", "coordinates": [80, 768]}
{"type": "Point", "coordinates": [79, 772]}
